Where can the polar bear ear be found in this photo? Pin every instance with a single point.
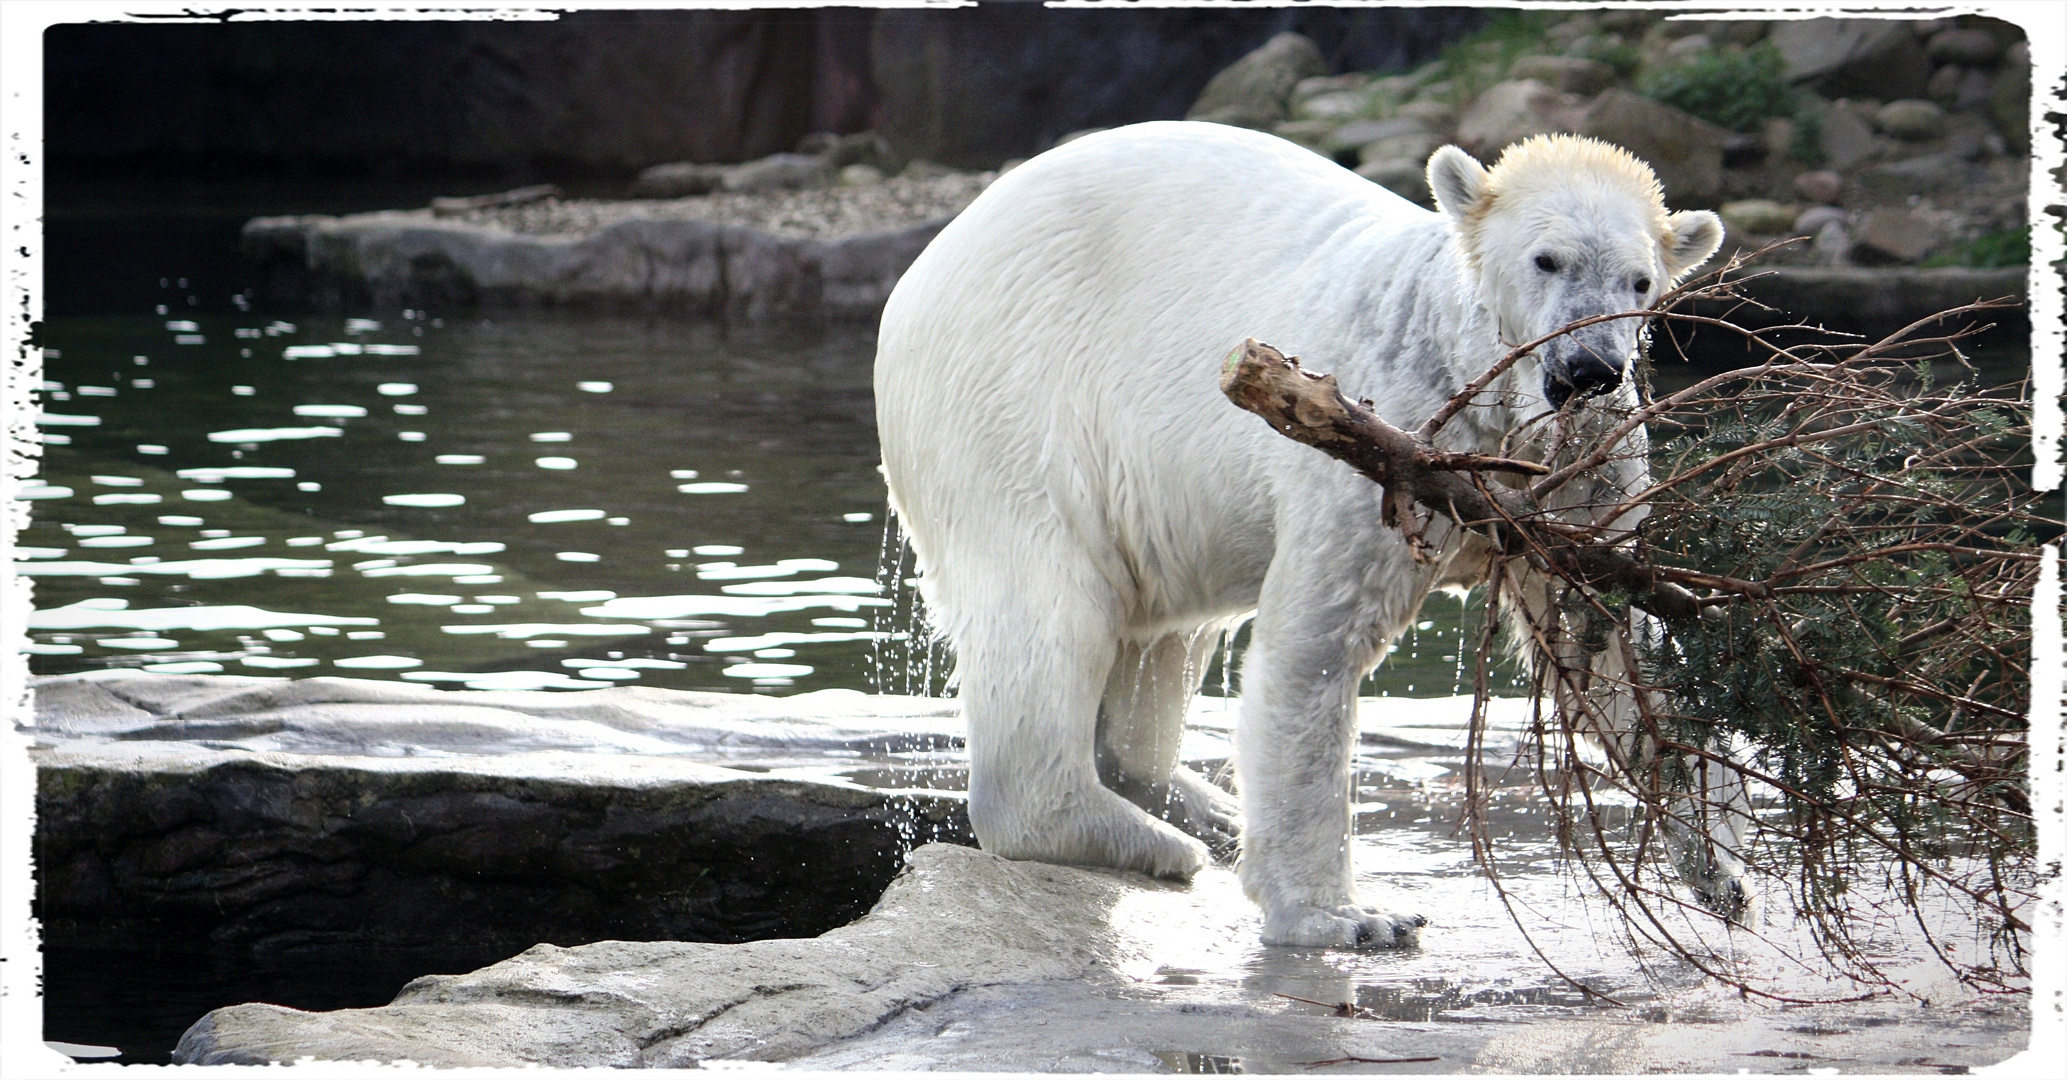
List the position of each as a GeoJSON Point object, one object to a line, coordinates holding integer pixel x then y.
{"type": "Point", "coordinates": [1458, 180]}
{"type": "Point", "coordinates": [1695, 236]}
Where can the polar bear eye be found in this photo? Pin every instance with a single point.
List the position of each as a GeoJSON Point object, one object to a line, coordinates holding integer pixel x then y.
{"type": "Point", "coordinates": [1546, 264]}
{"type": "Point", "coordinates": [1643, 286]}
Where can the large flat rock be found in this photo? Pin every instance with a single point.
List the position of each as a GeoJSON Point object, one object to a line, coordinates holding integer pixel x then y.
{"type": "Point", "coordinates": [279, 814]}
{"type": "Point", "coordinates": [971, 962]}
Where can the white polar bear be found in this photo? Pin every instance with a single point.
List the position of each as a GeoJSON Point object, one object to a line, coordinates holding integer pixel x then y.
{"type": "Point", "coordinates": [1088, 511]}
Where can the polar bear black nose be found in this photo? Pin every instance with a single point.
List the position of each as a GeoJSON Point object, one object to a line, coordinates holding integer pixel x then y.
{"type": "Point", "coordinates": [1592, 375]}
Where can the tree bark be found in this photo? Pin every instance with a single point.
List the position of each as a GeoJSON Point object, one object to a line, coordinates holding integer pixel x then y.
{"type": "Point", "coordinates": [1310, 408]}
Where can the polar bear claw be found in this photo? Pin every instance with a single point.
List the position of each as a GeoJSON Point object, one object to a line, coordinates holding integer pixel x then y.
{"type": "Point", "coordinates": [1348, 926]}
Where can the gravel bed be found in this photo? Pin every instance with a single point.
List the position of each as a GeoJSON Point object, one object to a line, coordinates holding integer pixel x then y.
{"type": "Point", "coordinates": [895, 203]}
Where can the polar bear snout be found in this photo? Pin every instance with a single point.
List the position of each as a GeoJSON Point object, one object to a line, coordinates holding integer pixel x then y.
{"type": "Point", "coordinates": [1578, 368]}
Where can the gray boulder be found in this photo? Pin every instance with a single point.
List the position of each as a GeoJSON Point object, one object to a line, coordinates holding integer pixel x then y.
{"type": "Point", "coordinates": [1895, 234]}
{"type": "Point", "coordinates": [1819, 186]}
{"type": "Point", "coordinates": [1876, 58]}
{"type": "Point", "coordinates": [1845, 138]}
{"type": "Point", "coordinates": [1686, 152]}
{"type": "Point", "coordinates": [1509, 112]}
{"type": "Point", "coordinates": [1254, 91]}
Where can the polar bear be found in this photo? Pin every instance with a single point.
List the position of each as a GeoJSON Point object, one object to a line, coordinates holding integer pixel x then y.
{"type": "Point", "coordinates": [1088, 512]}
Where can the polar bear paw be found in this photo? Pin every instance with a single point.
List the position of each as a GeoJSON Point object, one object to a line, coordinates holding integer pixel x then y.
{"type": "Point", "coordinates": [1103, 830]}
{"type": "Point", "coordinates": [1349, 926]}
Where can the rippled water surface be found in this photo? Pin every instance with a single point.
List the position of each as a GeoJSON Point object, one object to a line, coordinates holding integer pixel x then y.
{"type": "Point", "coordinates": [508, 501]}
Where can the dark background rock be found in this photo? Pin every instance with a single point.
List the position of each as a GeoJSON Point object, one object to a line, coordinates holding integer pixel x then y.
{"type": "Point", "coordinates": [608, 93]}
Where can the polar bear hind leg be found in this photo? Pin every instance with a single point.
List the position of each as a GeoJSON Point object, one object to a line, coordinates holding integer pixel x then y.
{"type": "Point", "coordinates": [1032, 675]}
{"type": "Point", "coordinates": [1141, 727]}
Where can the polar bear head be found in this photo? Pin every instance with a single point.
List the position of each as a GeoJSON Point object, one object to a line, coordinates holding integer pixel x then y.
{"type": "Point", "coordinates": [1562, 228]}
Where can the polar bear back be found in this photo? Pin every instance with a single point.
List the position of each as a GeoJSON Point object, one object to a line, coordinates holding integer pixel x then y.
{"type": "Point", "coordinates": [1046, 373]}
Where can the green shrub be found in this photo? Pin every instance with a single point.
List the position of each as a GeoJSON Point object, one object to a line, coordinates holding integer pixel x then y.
{"type": "Point", "coordinates": [1482, 58]}
{"type": "Point", "coordinates": [1729, 90]}
{"type": "Point", "coordinates": [2010, 247]}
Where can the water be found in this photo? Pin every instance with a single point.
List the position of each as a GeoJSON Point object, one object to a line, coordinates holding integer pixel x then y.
{"type": "Point", "coordinates": [528, 500]}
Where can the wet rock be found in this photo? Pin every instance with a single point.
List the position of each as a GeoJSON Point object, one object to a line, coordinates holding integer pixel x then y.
{"type": "Point", "coordinates": [1931, 174]}
{"type": "Point", "coordinates": [1877, 58]}
{"type": "Point", "coordinates": [1845, 138]}
{"type": "Point", "coordinates": [958, 918]}
{"type": "Point", "coordinates": [1895, 234]}
{"type": "Point", "coordinates": [777, 172]}
{"type": "Point", "coordinates": [1911, 119]}
{"type": "Point", "coordinates": [1570, 74]}
{"type": "Point", "coordinates": [1509, 112]}
{"type": "Point", "coordinates": [1254, 91]}
{"type": "Point", "coordinates": [1967, 46]}
{"type": "Point", "coordinates": [1686, 152]}
{"type": "Point", "coordinates": [1819, 185]}
{"type": "Point", "coordinates": [1404, 177]}
{"type": "Point", "coordinates": [1358, 132]}
{"type": "Point", "coordinates": [678, 179]}
{"type": "Point", "coordinates": [1756, 216]}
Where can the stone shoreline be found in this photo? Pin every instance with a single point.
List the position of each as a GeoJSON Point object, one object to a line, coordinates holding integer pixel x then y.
{"type": "Point", "coordinates": [783, 257]}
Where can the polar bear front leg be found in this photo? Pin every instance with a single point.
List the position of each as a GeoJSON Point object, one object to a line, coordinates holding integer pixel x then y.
{"type": "Point", "coordinates": [1319, 623]}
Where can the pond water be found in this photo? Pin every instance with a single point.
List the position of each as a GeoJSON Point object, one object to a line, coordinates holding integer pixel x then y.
{"type": "Point", "coordinates": [535, 501]}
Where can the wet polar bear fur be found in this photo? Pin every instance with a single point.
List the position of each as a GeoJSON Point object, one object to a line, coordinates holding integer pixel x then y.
{"type": "Point", "coordinates": [1088, 512]}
